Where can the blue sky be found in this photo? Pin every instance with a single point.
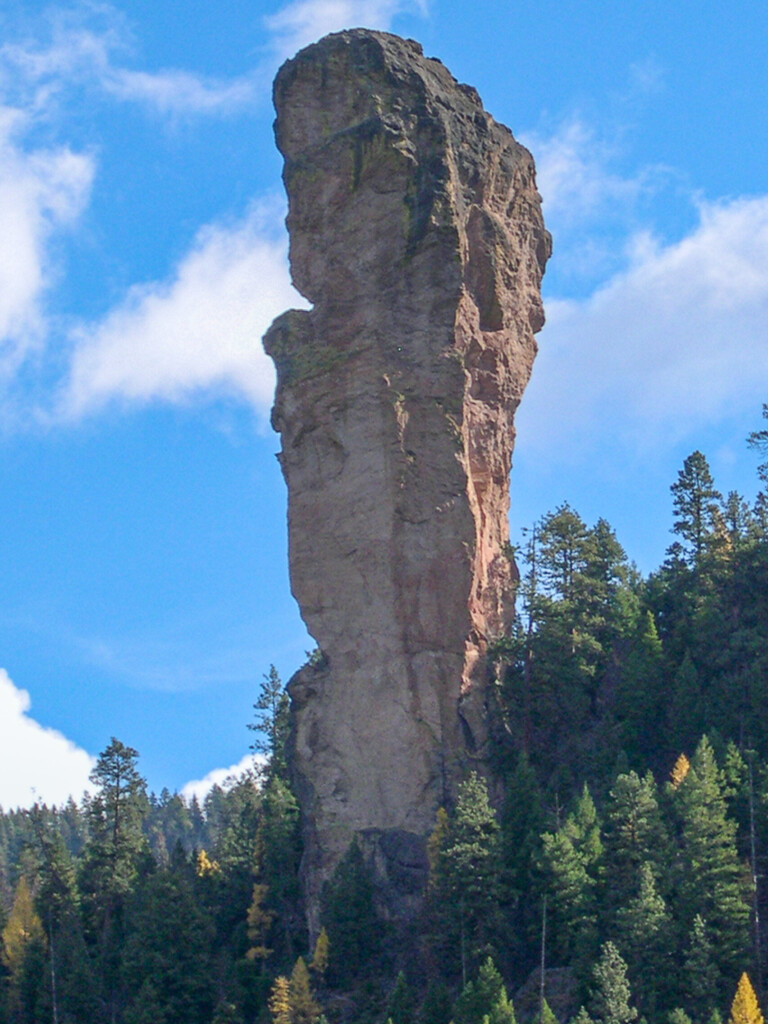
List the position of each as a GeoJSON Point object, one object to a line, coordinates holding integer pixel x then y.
{"type": "Point", "coordinates": [143, 566]}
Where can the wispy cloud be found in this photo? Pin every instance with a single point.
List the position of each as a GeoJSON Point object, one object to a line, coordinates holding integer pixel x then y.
{"type": "Point", "coordinates": [199, 330]}
{"type": "Point", "coordinates": [79, 55]}
{"type": "Point", "coordinates": [305, 21]}
{"type": "Point", "coordinates": [662, 348]}
{"type": "Point", "coordinates": [591, 203]}
{"type": "Point", "coordinates": [36, 763]}
{"type": "Point", "coordinates": [574, 176]}
{"type": "Point", "coordinates": [42, 192]}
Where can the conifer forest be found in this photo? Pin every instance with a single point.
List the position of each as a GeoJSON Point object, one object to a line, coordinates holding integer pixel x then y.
{"type": "Point", "coordinates": [610, 867]}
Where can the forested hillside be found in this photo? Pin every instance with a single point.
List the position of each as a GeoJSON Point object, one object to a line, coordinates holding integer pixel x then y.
{"type": "Point", "coordinates": [620, 840]}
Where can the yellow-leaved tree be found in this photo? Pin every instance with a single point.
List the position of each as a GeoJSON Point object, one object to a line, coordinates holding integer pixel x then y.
{"type": "Point", "coordinates": [304, 1009]}
{"type": "Point", "coordinates": [319, 964]}
{"type": "Point", "coordinates": [745, 1008]}
{"type": "Point", "coordinates": [22, 928]}
{"type": "Point", "coordinates": [279, 1002]}
{"type": "Point", "coordinates": [680, 770]}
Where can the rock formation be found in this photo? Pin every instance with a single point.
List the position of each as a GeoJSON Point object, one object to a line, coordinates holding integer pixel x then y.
{"type": "Point", "coordinates": [416, 232]}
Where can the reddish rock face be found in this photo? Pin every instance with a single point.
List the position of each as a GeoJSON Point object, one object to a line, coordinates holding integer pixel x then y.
{"type": "Point", "coordinates": [416, 232]}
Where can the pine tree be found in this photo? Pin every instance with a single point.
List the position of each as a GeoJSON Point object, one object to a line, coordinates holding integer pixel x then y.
{"type": "Point", "coordinates": [348, 914]}
{"type": "Point", "coordinates": [400, 1007]}
{"type": "Point", "coordinates": [115, 845]}
{"type": "Point", "coordinates": [610, 993]}
{"type": "Point", "coordinates": [641, 697]}
{"type": "Point", "coordinates": [710, 879]}
{"type": "Point", "coordinates": [470, 865]}
{"type": "Point", "coordinates": [484, 998]}
{"type": "Point", "coordinates": [436, 1008]}
{"type": "Point", "coordinates": [678, 1016]}
{"type": "Point", "coordinates": [582, 1017]}
{"type": "Point", "coordinates": [634, 834]}
{"type": "Point", "coordinates": [745, 1008]}
{"type": "Point", "coordinates": [696, 504]}
{"type": "Point", "coordinates": [699, 980]}
{"type": "Point", "coordinates": [271, 725]}
{"type": "Point", "coordinates": [644, 934]}
{"type": "Point", "coordinates": [569, 864]}
{"type": "Point", "coordinates": [545, 1015]}
{"type": "Point", "coordinates": [167, 949]}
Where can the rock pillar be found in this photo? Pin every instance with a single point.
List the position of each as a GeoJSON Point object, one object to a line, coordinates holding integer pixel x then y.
{"type": "Point", "coordinates": [416, 233]}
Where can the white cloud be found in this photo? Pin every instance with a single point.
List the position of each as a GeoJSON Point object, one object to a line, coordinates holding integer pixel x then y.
{"type": "Point", "coordinates": [82, 55]}
{"type": "Point", "coordinates": [179, 92]}
{"type": "Point", "coordinates": [36, 763]}
{"type": "Point", "coordinates": [676, 341]}
{"type": "Point", "coordinates": [573, 176]}
{"type": "Point", "coordinates": [304, 21]}
{"type": "Point", "coordinates": [224, 777]}
{"type": "Point", "coordinates": [41, 192]}
{"type": "Point", "coordinates": [198, 331]}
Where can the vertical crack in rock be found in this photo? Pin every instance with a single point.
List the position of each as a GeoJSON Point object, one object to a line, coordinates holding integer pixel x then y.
{"type": "Point", "coordinates": [416, 232]}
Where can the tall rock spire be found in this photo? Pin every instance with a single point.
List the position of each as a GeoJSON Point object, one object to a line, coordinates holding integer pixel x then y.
{"type": "Point", "coordinates": [416, 233]}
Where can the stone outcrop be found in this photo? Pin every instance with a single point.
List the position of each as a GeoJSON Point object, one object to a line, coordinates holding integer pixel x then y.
{"type": "Point", "coordinates": [416, 233]}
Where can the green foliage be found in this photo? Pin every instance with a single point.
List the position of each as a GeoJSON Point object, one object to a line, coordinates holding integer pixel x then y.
{"type": "Point", "coordinates": [166, 958]}
{"type": "Point", "coordinates": [465, 893]}
{"type": "Point", "coordinates": [568, 863]}
{"type": "Point", "coordinates": [436, 1008]}
{"type": "Point", "coordinates": [545, 1016]}
{"type": "Point", "coordinates": [401, 1004]}
{"type": "Point", "coordinates": [710, 879]}
{"type": "Point", "coordinates": [271, 726]}
{"type": "Point", "coordinates": [485, 998]}
{"type": "Point", "coordinates": [158, 909]}
{"type": "Point", "coordinates": [696, 509]}
{"type": "Point", "coordinates": [610, 992]}
{"type": "Point", "coordinates": [354, 933]}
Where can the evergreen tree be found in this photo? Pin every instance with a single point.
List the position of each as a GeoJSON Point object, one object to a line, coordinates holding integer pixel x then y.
{"type": "Point", "coordinates": [166, 962]}
{"type": "Point", "coordinates": [634, 835]}
{"type": "Point", "coordinates": [644, 935]}
{"type": "Point", "coordinates": [349, 917]}
{"type": "Point", "coordinates": [468, 887]}
{"type": "Point", "coordinates": [582, 1017]}
{"type": "Point", "coordinates": [400, 1006]}
{"type": "Point", "coordinates": [641, 696]}
{"type": "Point", "coordinates": [610, 993]}
{"type": "Point", "coordinates": [678, 1016]}
{"type": "Point", "coordinates": [276, 858]}
{"type": "Point", "coordinates": [72, 988]}
{"type": "Point", "coordinates": [711, 881]}
{"type": "Point", "coordinates": [545, 1015]}
{"type": "Point", "coordinates": [271, 726]}
{"type": "Point", "coordinates": [697, 505]}
{"type": "Point", "coordinates": [699, 981]}
{"type": "Point", "coordinates": [115, 845]}
{"type": "Point", "coordinates": [569, 865]}
{"type": "Point", "coordinates": [436, 1008]}
{"type": "Point", "coordinates": [485, 998]}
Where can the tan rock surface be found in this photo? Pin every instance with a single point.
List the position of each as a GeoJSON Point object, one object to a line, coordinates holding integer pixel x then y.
{"type": "Point", "coordinates": [416, 232]}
